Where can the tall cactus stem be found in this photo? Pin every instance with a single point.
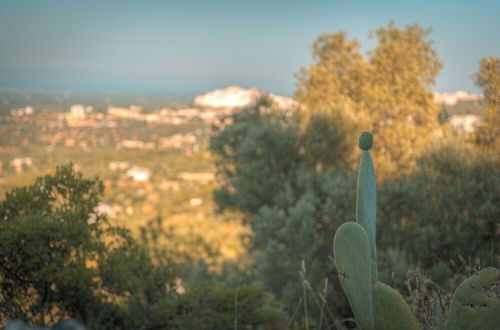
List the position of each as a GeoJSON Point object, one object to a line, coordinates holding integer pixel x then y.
{"type": "Point", "coordinates": [366, 198]}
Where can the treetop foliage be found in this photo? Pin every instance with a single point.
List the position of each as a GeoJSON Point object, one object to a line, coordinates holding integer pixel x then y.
{"type": "Point", "coordinates": [488, 78]}
{"type": "Point", "coordinates": [386, 92]}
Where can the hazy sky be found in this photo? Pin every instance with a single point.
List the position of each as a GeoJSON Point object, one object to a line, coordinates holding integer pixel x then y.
{"type": "Point", "coordinates": [189, 46]}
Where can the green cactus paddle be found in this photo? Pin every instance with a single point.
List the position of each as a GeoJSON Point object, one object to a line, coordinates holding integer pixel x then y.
{"type": "Point", "coordinates": [476, 302]}
{"type": "Point", "coordinates": [390, 310]}
{"type": "Point", "coordinates": [352, 258]}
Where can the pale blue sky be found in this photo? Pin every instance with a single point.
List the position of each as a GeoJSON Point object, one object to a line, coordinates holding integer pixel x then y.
{"type": "Point", "coordinates": [195, 46]}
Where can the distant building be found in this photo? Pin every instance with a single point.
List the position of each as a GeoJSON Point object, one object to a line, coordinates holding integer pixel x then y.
{"type": "Point", "coordinates": [151, 117]}
{"type": "Point", "coordinates": [208, 115]}
{"type": "Point", "coordinates": [177, 140]}
{"type": "Point", "coordinates": [133, 112]}
{"type": "Point", "coordinates": [118, 166]}
{"type": "Point", "coordinates": [69, 143]}
{"type": "Point", "coordinates": [22, 112]}
{"type": "Point", "coordinates": [188, 113]}
{"type": "Point", "coordinates": [78, 116]}
{"type": "Point", "coordinates": [466, 124]}
{"type": "Point", "coordinates": [80, 111]}
{"type": "Point", "coordinates": [200, 177]}
{"type": "Point", "coordinates": [195, 201]}
{"type": "Point", "coordinates": [453, 98]}
{"type": "Point", "coordinates": [140, 174]}
{"type": "Point", "coordinates": [170, 185]}
{"type": "Point", "coordinates": [21, 163]}
{"type": "Point", "coordinates": [132, 144]}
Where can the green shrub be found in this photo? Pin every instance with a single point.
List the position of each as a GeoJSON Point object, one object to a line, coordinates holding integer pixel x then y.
{"type": "Point", "coordinates": [450, 206]}
{"type": "Point", "coordinates": [215, 306]}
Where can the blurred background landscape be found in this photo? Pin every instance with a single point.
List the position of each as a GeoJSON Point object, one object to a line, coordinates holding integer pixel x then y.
{"type": "Point", "coordinates": [185, 166]}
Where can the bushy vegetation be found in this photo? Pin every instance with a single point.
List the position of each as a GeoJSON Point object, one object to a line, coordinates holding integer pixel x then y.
{"type": "Point", "coordinates": [61, 259]}
{"type": "Point", "coordinates": [444, 205]}
{"type": "Point", "coordinates": [293, 174]}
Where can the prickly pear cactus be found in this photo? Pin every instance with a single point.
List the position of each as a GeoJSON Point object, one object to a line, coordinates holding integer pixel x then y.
{"type": "Point", "coordinates": [390, 310]}
{"type": "Point", "coordinates": [476, 302]}
{"type": "Point", "coordinates": [352, 258]}
{"type": "Point", "coordinates": [366, 198]}
{"type": "Point", "coordinates": [374, 304]}
{"type": "Point", "coordinates": [475, 305]}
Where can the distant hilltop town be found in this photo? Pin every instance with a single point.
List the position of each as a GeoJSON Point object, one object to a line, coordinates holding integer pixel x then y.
{"type": "Point", "coordinates": [210, 108]}
{"type": "Point", "coordinates": [213, 103]}
{"type": "Point", "coordinates": [237, 97]}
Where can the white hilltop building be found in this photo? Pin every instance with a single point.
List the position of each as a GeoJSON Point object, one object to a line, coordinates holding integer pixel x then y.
{"type": "Point", "coordinates": [466, 124]}
{"type": "Point", "coordinates": [132, 112]}
{"type": "Point", "coordinates": [140, 174]}
{"type": "Point", "coordinates": [453, 98]}
{"type": "Point", "coordinates": [234, 97]}
{"type": "Point", "coordinates": [80, 111]}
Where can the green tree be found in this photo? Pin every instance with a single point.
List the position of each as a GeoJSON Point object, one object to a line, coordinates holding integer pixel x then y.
{"type": "Point", "coordinates": [488, 78]}
{"type": "Point", "coordinates": [336, 79]}
{"type": "Point", "coordinates": [256, 154]}
{"type": "Point", "coordinates": [47, 241]}
{"type": "Point", "coordinates": [61, 259]}
{"type": "Point", "coordinates": [279, 175]}
{"type": "Point", "coordinates": [387, 93]}
{"type": "Point", "coordinates": [265, 149]}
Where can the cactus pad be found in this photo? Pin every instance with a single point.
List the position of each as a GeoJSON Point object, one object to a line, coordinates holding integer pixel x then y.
{"type": "Point", "coordinates": [476, 302]}
{"type": "Point", "coordinates": [390, 310]}
{"type": "Point", "coordinates": [352, 257]}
